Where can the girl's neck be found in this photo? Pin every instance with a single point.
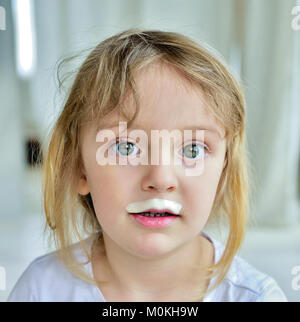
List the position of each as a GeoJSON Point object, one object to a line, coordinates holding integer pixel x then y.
{"type": "Point", "coordinates": [165, 279]}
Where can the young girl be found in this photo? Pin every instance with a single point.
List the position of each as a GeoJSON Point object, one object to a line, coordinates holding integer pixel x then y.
{"type": "Point", "coordinates": [128, 228]}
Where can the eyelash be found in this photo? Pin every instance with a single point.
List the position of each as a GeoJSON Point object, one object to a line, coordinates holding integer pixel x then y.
{"type": "Point", "coordinates": [205, 146]}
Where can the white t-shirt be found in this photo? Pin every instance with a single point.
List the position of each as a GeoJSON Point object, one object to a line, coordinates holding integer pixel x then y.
{"type": "Point", "coordinates": [46, 279]}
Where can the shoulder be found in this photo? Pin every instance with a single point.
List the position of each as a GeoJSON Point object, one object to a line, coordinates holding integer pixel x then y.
{"type": "Point", "coordinates": [37, 277]}
{"type": "Point", "coordinates": [47, 279]}
{"type": "Point", "coordinates": [245, 283]}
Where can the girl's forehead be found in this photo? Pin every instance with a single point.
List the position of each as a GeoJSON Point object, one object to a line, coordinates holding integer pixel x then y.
{"type": "Point", "coordinates": [161, 74]}
{"type": "Point", "coordinates": [166, 99]}
{"type": "Point", "coordinates": [161, 89]}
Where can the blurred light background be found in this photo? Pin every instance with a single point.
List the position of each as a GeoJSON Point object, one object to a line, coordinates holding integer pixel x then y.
{"type": "Point", "coordinates": [257, 38]}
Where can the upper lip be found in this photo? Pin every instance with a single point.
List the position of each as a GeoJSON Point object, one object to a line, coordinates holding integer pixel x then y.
{"type": "Point", "coordinates": [155, 205]}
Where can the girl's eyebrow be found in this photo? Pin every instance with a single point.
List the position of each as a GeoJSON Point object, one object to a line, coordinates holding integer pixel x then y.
{"type": "Point", "coordinates": [211, 129]}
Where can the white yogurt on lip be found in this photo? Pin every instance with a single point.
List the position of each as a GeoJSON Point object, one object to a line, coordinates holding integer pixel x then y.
{"type": "Point", "coordinates": [156, 203]}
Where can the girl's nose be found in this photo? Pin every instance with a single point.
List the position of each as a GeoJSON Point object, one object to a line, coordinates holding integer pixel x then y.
{"type": "Point", "coordinates": [160, 178]}
{"type": "Point", "coordinates": [161, 173]}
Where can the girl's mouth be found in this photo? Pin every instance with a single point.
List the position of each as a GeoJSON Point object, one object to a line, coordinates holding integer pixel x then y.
{"type": "Point", "coordinates": [154, 220]}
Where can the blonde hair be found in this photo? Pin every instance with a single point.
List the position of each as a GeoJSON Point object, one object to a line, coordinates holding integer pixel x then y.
{"type": "Point", "coordinates": [99, 88]}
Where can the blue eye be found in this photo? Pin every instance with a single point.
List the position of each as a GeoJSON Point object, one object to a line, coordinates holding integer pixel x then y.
{"type": "Point", "coordinates": [124, 147]}
{"type": "Point", "coordinates": [192, 150]}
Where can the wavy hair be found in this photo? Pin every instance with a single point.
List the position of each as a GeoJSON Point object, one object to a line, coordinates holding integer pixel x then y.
{"type": "Point", "coordinates": [101, 82]}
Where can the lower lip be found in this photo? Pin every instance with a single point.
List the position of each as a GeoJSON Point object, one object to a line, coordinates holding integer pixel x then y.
{"type": "Point", "coordinates": [154, 222]}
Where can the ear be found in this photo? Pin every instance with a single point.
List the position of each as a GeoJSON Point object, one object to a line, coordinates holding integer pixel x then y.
{"type": "Point", "coordinates": [83, 187]}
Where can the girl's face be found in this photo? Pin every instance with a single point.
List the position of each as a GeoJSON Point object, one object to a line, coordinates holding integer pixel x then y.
{"type": "Point", "coordinates": [170, 102]}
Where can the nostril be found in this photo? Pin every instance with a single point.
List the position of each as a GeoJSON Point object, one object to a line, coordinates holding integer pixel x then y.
{"type": "Point", "coordinates": [171, 188]}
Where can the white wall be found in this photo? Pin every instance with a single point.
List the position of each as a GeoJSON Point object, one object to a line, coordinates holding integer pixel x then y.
{"type": "Point", "coordinates": [11, 127]}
